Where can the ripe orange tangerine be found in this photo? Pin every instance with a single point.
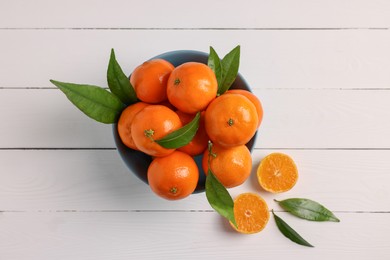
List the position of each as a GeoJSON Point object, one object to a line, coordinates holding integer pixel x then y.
{"type": "Point", "coordinates": [125, 121]}
{"type": "Point", "coordinates": [277, 173]}
{"type": "Point", "coordinates": [174, 176]}
{"type": "Point", "coordinates": [251, 213]}
{"type": "Point", "coordinates": [231, 120]}
{"type": "Point", "coordinates": [153, 123]}
{"type": "Point", "coordinates": [253, 99]}
{"type": "Point", "coordinates": [150, 80]}
{"type": "Point", "coordinates": [231, 166]}
{"type": "Point", "coordinates": [191, 87]}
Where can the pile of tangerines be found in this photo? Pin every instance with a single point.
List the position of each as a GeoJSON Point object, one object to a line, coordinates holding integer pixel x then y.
{"type": "Point", "coordinates": [177, 113]}
{"type": "Point", "coordinates": [169, 98]}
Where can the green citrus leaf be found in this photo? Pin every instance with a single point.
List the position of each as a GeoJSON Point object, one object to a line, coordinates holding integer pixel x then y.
{"type": "Point", "coordinates": [96, 102]}
{"type": "Point", "coordinates": [307, 209]}
{"type": "Point", "coordinates": [119, 83]}
{"type": "Point", "coordinates": [214, 62]}
{"type": "Point", "coordinates": [290, 233]}
{"type": "Point", "coordinates": [182, 136]}
{"type": "Point", "coordinates": [230, 64]}
{"type": "Point", "coordinates": [219, 198]}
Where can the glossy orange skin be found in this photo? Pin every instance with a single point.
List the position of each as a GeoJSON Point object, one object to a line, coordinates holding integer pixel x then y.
{"type": "Point", "coordinates": [150, 80]}
{"type": "Point", "coordinates": [174, 176]}
{"type": "Point", "coordinates": [199, 143]}
{"type": "Point", "coordinates": [231, 120]}
{"type": "Point", "coordinates": [231, 166]}
{"type": "Point", "coordinates": [125, 121]}
{"type": "Point", "coordinates": [152, 123]}
{"type": "Point", "coordinates": [253, 99]}
{"type": "Point", "coordinates": [191, 87]}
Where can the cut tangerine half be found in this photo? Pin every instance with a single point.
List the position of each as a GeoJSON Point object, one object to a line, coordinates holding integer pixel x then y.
{"type": "Point", "coordinates": [251, 213]}
{"type": "Point", "coordinates": [277, 173]}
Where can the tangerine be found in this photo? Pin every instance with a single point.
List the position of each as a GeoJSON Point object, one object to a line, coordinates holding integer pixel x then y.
{"type": "Point", "coordinates": [277, 173]}
{"type": "Point", "coordinates": [231, 166]}
{"type": "Point", "coordinates": [231, 120]}
{"type": "Point", "coordinates": [125, 121]}
{"type": "Point", "coordinates": [174, 176]}
{"type": "Point", "coordinates": [251, 213]}
{"type": "Point", "coordinates": [152, 123]}
{"type": "Point", "coordinates": [253, 99]}
{"type": "Point", "coordinates": [150, 80]}
{"type": "Point", "coordinates": [199, 143]}
{"type": "Point", "coordinates": [191, 87]}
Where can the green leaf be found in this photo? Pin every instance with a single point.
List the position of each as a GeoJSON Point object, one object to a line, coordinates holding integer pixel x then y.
{"type": "Point", "coordinates": [214, 62]}
{"type": "Point", "coordinates": [290, 233]}
{"type": "Point", "coordinates": [219, 198]}
{"type": "Point", "coordinates": [307, 209]}
{"type": "Point", "coordinates": [230, 64]}
{"type": "Point", "coordinates": [182, 136]}
{"type": "Point", "coordinates": [94, 101]}
{"type": "Point", "coordinates": [119, 83]}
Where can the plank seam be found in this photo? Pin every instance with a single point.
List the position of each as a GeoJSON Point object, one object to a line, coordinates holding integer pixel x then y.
{"type": "Point", "coordinates": [56, 148]}
{"type": "Point", "coordinates": [199, 28]}
{"type": "Point", "coordinates": [298, 89]}
{"type": "Point", "coordinates": [261, 148]}
{"type": "Point", "coordinates": [171, 211]}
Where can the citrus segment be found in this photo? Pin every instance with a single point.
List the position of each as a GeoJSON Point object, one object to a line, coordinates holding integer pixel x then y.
{"type": "Point", "coordinates": [277, 173]}
{"type": "Point", "coordinates": [251, 213]}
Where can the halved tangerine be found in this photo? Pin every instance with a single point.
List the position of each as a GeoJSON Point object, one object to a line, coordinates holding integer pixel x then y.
{"type": "Point", "coordinates": [251, 213]}
{"type": "Point", "coordinates": [277, 173]}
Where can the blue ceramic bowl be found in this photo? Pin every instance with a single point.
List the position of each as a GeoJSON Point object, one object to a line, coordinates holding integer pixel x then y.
{"type": "Point", "coordinates": [138, 162]}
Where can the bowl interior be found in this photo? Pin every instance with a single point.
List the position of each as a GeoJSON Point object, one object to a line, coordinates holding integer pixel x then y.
{"type": "Point", "coordinates": [138, 162]}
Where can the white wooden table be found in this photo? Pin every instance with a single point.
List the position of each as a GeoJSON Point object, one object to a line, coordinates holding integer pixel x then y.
{"type": "Point", "coordinates": [320, 68]}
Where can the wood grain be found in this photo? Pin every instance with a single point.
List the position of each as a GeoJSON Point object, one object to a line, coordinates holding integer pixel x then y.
{"type": "Point", "coordinates": [198, 14]}
{"type": "Point", "coordinates": [304, 119]}
{"type": "Point", "coordinates": [335, 59]}
{"type": "Point", "coordinates": [320, 69]}
{"type": "Point", "coordinates": [184, 235]}
{"type": "Point", "coordinates": [59, 180]}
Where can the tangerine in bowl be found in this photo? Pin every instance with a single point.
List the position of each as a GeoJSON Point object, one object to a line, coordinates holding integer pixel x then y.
{"type": "Point", "coordinates": [138, 162]}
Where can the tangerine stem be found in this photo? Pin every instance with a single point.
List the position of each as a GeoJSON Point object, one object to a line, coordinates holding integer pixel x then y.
{"type": "Point", "coordinates": [230, 122]}
{"type": "Point", "coordinates": [177, 82]}
{"type": "Point", "coordinates": [149, 134]}
{"type": "Point", "coordinates": [173, 190]}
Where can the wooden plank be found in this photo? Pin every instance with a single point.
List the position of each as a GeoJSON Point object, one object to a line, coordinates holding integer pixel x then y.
{"type": "Point", "coordinates": [45, 118]}
{"type": "Point", "coordinates": [292, 119]}
{"type": "Point", "coordinates": [184, 235]}
{"type": "Point", "coordinates": [199, 14]}
{"type": "Point", "coordinates": [60, 180]}
{"type": "Point", "coordinates": [324, 119]}
{"type": "Point", "coordinates": [335, 59]}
